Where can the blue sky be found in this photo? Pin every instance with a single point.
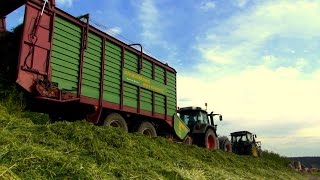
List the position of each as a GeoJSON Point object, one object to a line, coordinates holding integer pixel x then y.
{"type": "Point", "coordinates": [256, 62]}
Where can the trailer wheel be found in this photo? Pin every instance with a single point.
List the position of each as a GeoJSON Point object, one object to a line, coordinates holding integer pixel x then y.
{"type": "Point", "coordinates": [147, 129]}
{"type": "Point", "coordinates": [210, 140]}
{"type": "Point", "coordinates": [116, 120]}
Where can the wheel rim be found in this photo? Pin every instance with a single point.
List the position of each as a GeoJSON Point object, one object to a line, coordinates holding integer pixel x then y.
{"type": "Point", "coordinates": [115, 124]}
{"type": "Point", "coordinates": [211, 142]}
{"type": "Point", "coordinates": [147, 132]}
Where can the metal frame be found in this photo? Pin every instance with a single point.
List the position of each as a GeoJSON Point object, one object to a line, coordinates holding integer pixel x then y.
{"type": "Point", "coordinates": [51, 12]}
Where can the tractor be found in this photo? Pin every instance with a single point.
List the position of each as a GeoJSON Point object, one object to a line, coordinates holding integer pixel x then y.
{"type": "Point", "coordinates": [203, 131]}
{"type": "Point", "coordinates": [244, 143]}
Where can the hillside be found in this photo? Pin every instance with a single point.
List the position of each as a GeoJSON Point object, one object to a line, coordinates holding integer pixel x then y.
{"type": "Point", "coordinates": [32, 149]}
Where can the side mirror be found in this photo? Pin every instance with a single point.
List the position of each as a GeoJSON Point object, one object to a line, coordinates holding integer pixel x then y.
{"type": "Point", "coordinates": [220, 117]}
{"type": "Point", "coordinates": [255, 136]}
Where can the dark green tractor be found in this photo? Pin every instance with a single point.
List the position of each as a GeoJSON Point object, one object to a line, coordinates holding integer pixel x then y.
{"type": "Point", "coordinates": [244, 143]}
{"type": "Point", "coordinates": [203, 131]}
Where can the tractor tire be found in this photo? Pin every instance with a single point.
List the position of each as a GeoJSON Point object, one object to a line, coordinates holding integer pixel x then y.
{"type": "Point", "coordinates": [115, 120]}
{"type": "Point", "coordinates": [188, 140]}
{"type": "Point", "coordinates": [147, 129]}
{"type": "Point", "coordinates": [225, 144]}
{"type": "Point", "coordinates": [210, 140]}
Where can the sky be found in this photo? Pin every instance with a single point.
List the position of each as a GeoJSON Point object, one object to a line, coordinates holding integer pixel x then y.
{"type": "Point", "coordinates": [255, 62]}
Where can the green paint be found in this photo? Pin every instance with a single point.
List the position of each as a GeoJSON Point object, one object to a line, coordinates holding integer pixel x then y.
{"type": "Point", "coordinates": [180, 128]}
{"type": "Point", "coordinates": [65, 71]}
{"type": "Point", "coordinates": [144, 82]}
{"type": "Point", "coordinates": [91, 72]}
{"type": "Point", "coordinates": [112, 73]}
{"type": "Point", "coordinates": [66, 54]}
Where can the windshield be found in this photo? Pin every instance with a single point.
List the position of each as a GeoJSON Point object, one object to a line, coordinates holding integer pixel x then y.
{"type": "Point", "coordinates": [240, 138]}
{"type": "Point", "coordinates": [249, 136]}
{"type": "Point", "coordinates": [190, 118]}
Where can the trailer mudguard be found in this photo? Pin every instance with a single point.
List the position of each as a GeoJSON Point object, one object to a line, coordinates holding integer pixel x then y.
{"type": "Point", "coordinates": [180, 128]}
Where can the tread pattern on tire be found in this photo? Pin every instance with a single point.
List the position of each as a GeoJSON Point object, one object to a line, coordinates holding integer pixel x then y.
{"type": "Point", "coordinates": [118, 118]}
{"type": "Point", "coordinates": [147, 125]}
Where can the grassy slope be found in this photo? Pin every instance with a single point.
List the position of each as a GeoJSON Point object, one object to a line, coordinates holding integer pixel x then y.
{"type": "Point", "coordinates": [82, 151]}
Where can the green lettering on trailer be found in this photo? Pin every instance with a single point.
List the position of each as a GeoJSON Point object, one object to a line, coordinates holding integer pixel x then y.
{"type": "Point", "coordinates": [144, 82]}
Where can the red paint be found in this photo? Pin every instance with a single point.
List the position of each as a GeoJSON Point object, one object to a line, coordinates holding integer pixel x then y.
{"type": "Point", "coordinates": [95, 116]}
{"type": "Point", "coordinates": [84, 43]}
{"type": "Point", "coordinates": [3, 24]}
{"type": "Point", "coordinates": [35, 57]}
{"type": "Point", "coordinates": [35, 47]}
{"type": "Point", "coordinates": [102, 71]}
{"type": "Point", "coordinates": [88, 100]}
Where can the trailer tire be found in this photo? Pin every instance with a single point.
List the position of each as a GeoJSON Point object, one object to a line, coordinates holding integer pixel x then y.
{"type": "Point", "coordinates": [210, 140]}
{"type": "Point", "coordinates": [147, 129]}
{"type": "Point", "coordinates": [116, 120]}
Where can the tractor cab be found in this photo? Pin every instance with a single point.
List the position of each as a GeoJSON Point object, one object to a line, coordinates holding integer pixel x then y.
{"type": "Point", "coordinates": [244, 143]}
{"type": "Point", "coordinates": [203, 130]}
{"type": "Point", "coordinates": [192, 116]}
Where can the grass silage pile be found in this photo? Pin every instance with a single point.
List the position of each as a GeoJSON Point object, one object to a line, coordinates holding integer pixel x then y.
{"type": "Point", "coordinates": [80, 150]}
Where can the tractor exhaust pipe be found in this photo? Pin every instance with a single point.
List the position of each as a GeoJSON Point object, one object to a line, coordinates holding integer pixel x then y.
{"type": "Point", "coordinates": [3, 24]}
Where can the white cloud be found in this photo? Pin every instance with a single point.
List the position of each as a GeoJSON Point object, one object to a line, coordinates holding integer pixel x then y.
{"type": "Point", "coordinates": [241, 3]}
{"type": "Point", "coordinates": [259, 98]}
{"type": "Point", "coordinates": [269, 59]}
{"type": "Point", "coordinates": [207, 5]}
{"type": "Point", "coordinates": [154, 28]}
{"type": "Point", "coordinates": [243, 35]}
{"type": "Point", "coordinates": [149, 17]}
{"type": "Point", "coordinates": [313, 131]}
{"type": "Point", "coordinates": [67, 3]}
{"type": "Point", "coordinates": [114, 31]}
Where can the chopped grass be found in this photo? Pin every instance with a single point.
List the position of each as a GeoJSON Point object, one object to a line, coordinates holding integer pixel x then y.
{"type": "Point", "coordinates": [80, 150]}
{"type": "Point", "coordinates": [30, 148]}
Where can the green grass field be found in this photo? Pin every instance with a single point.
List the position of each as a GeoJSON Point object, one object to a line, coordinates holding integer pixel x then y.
{"type": "Point", "coordinates": [31, 148]}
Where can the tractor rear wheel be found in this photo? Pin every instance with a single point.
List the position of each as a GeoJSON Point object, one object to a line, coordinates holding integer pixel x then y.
{"type": "Point", "coordinates": [210, 140]}
{"type": "Point", "coordinates": [117, 121]}
{"type": "Point", "coordinates": [147, 129]}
